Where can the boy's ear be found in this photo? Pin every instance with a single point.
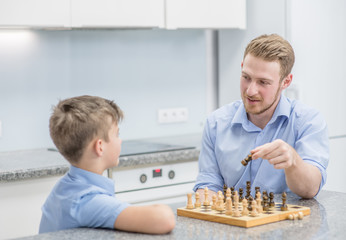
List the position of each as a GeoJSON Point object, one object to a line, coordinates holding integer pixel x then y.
{"type": "Point", "coordinates": [98, 147]}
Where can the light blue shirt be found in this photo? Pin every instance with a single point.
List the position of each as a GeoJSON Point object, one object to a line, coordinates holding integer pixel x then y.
{"type": "Point", "coordinates": [81, 199]}
{"type": "Point", "coordinates": [229, 137]}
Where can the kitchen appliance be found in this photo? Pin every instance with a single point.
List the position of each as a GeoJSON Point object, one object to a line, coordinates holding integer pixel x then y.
{"type": "Point", "coordinates": [162, 183]}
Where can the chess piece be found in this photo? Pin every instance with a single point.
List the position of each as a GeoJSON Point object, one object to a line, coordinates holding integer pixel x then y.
{"type": "Point", "coordinates": [253, 212]}
{"type": "Point", "coordinates": [214, 199]}
{"type": "Point", "coordinates": [245, 211]}
{"type": "Point", "coordinates": [264, 194]}
{"type": "Point", "coordinates": [220, 204]}
{"type": "Point", "coordinates": [198, 202]}
{"type": "Point", "coordinates": [248, 189]}
{"type": "Point", "coordinates": [206, 197]}
{"type": "Point", "coordinates": [257, 189]}
{"type": "Point", "coordinates": [224, 191]}
{"type": "Point", "coordinates": [228, 206]}
{"type": "Point", "coordinates": [271, 199]}
{"type": "Point", "coordinates": [219, 193]}
{"type": "Point", "coordinates": [246, 160]}
{"type": "Point", "coordinates": [236, 197]}
{"type": "Point", "coordinates": [259, 202]}
{"type": "Point", "coordinates": [236, 212]}
{"type": "Point", "coordinates": [300, 215]}
{"type": "Point", "coordinates": [241, 194]}
{"type": "Point", "coordinates": [265, 203]}
{"type": "Point", "coordinates": [249, 203]}
{"type": "Point", "coordinates": [284, 205]}
{"type": "Point", "coordinates": [189, 201]}
{"type": "Point", "coordinates": [232, 193]}
{"type": "Point", "coordinates": [228, 193]}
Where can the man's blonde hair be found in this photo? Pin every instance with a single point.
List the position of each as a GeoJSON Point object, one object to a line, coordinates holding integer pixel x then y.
{"type": "Point", "coordinates": [273, 48]}
{"type": "Point", "coordinates": [76, 121]}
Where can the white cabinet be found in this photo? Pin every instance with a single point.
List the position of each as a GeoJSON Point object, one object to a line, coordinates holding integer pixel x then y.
{"type": "Point", "coordinates": [205, 14]}
{"type": "Point", "coordinates": [117, 13]}
{"type": "Point", "coordinates": [35, 13]}
{"type": "Point", "coordinates": [20, 206]}
{"type": "Point", "coordinates": [169, 14]}
{"type": "Point", "coordinates": [336, 176]}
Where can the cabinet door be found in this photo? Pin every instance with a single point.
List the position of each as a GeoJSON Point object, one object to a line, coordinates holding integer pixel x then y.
{"type": "Point", "coordinates": [35, 13]}
{"type": "Point", "coordinates": [205, 14]}
{"type": "Point", "coordinates": [336, 177]}
{"type": "Point", "coordinates": [117, 13]}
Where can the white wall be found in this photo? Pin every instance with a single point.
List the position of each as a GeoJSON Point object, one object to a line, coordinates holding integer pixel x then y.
{"type": "Point", "coordinates": [317, 31]}
{"type": "Point", "coordinates": [142, 70]}
{"type": "Point", "coordinates": [263, 17]}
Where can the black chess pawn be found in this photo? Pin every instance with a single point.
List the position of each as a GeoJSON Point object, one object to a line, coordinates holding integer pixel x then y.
{"type": "Point", "coordinates": [271, 199]}
{"type": "Point", "coordinates": [224, 192]}
{"type": "Point", "coordinates": [284, 205]}
{"type": "Point", "coordinates": [241, 194]}
{"type": "Point", "coordinates": [249, 203]}
{"type": "Point", "coordinates": [265, 203]}
{"type": "Point", "coordinates": [257, 189]}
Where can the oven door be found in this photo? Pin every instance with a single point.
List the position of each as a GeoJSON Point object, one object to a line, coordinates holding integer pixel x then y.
{"type": "Point", "coordinates": [165, 184]}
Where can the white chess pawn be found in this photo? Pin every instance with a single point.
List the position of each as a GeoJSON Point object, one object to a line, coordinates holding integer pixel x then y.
{"type": "Point", "coordinates": [254, 212]}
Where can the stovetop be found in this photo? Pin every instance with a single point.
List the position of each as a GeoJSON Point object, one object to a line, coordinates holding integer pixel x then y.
{"type": "Point", "coordinates": [136, 147]}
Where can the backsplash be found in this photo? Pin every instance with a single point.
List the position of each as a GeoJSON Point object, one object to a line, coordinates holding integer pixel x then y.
{"type": "Point", "coordinates": [141, 70]}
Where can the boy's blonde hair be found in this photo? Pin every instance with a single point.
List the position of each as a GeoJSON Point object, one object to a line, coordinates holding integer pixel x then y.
{"type": "Point", "coordinates": [273, 48]}
{"type": "Point", "coordinates": [76, 121]}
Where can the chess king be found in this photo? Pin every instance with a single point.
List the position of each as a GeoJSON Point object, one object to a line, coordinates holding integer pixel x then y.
{"type": "Point", "coordinates": [287, 140]}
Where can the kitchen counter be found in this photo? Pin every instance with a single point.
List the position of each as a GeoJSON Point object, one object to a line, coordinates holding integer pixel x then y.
{"type": "Point", "coordinates": [327, 221]}
{"type": "Point", "coordinates": [37, 163]}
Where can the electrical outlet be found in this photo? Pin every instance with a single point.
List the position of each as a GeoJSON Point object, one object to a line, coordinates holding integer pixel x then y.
{"type": "Point", "coordinates": [173, 115]}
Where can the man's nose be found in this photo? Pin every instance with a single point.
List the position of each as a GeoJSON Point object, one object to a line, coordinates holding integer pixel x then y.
{"type": "Point", "coordinates": [252, 89]}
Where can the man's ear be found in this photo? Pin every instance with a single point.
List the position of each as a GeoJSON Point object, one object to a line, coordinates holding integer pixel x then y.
{"type": "Point", "coordinates": [98, 147]}
{"type": "Point", "coordinates": [287, 81]}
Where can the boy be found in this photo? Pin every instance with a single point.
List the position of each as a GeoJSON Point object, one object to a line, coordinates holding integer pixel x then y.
{"type": "Point", "coordinates": [85, 131]}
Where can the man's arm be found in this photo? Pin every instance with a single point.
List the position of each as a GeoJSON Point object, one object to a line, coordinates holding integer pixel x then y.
{"type": "Point", "coordinates": [302, 178]}
{"type": "Point", "coordinates": [153, 219]}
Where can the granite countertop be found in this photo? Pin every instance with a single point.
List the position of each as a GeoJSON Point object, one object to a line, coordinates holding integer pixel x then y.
{"type": "Point", "coordinates": [37, 163]}
{"type": "Point", "coordinates": [327, 221]}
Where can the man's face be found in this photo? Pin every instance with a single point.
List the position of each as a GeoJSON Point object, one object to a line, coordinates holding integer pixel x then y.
{"type": "Point", "coordinates": [260, 85]}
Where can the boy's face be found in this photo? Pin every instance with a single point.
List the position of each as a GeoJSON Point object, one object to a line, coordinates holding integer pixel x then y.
{"type": "Point", "coordinates": [113, 147]}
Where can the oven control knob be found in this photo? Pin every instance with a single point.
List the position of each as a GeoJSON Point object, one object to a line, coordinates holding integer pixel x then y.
{"type": "Point", "coordinates": [171, 174]}
{"type": "Point", "coordinates": [143, 178]}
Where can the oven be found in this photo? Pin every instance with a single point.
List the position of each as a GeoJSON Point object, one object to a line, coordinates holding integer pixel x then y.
{"type": "Point", "coordinates": [166, 183]}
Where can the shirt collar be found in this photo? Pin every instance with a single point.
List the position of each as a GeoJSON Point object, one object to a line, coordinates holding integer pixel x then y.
{"type": "Point", "coordinates": [92, 178]}
{"type": "Point", "coordinates": [282, 109]}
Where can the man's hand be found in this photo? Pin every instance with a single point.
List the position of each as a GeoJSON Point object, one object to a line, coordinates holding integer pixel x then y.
{"type": "Point", "coordinates": [278, 153]}
{"type": "Point", "coordinates": [302, 178]}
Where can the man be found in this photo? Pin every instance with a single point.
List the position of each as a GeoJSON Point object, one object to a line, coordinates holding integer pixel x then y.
{"type": "Point", "coordinates": [288, 140]}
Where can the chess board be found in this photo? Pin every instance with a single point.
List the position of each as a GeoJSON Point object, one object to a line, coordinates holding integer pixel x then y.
{"type": "Point", "coordinates": [273, 215]}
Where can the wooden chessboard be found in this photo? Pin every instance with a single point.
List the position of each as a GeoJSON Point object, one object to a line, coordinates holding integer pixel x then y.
{"type": "Point", "coordinates": [273, 215]}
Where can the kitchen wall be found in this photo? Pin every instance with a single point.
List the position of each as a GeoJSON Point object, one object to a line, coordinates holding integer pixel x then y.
{"type": "Point", "coordinates": [142, 70]}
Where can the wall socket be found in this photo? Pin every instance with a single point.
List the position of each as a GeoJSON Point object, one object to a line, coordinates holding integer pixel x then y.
{"type": "Point", "coordinates": [173, 115]}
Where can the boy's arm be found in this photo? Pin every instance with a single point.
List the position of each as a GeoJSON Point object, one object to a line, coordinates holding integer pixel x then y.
{"type": "Point", "coordinates": [154, 219]}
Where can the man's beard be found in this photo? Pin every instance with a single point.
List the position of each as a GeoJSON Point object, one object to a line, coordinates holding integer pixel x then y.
{"type": "Point", "coordinates": [265, 108]}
